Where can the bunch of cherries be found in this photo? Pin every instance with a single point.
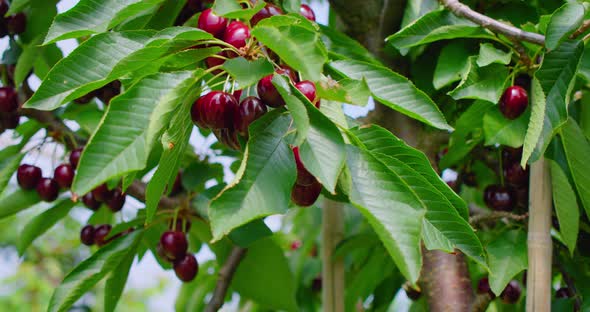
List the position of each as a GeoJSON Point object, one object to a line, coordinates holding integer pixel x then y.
{"type": "Point", "coordinates": [11, 25]}
{"type": "Point", "coordinates": [9, 117]}
{"type": "Point", "coordinates": [229, 114]}
{"type": "Point", "coordinates": [513, 189]}
{"type": "Point", "coordinates": [173, 248]}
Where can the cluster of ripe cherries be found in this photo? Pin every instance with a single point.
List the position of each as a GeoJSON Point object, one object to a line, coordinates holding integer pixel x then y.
{"type": "Point", "coordinates": [229, 114]}
{"type": "Point", "coordinates": [11, 25]}
{"type": "Point", "coordinates": [173, 248]}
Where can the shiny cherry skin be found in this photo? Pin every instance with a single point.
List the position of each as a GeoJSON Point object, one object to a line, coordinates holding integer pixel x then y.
{"type": "Point", "coordinates": [236, 34]}
{"type": "Point", "coordinates": [304, 177]}
{"type": "Point", "coordinates": [268, 11]}
{"type": "Point", "coordinates": [100, 234]}
{"type": "Point", "coordinates": [499, 198]}
{"type": "Point", "coordinates": [215, 110]}
{"type": "Point", "coordinates": [511, 293]}
{"type": "Point", "coordinates": [514, 102]}
{"type": "Point", "coordinates": [250, 109]}
{"type": "Point", "coordinates": [174, 244]}
{"type": "Point", "coordinates": [228, 137]}
{"type": "Point", "coordinates": [75, 157]}
{"type": "Point", "coordinates": [186, 268]}
{"type": "Point", "coordinates": [90, 202]}
{"type": "Point", "coordinates": [515, 175]}
{"type": "Point", "coordinates": [268, 93]}
{"type": "Point", "coordinates": [8, 100]}
{"type": "Point", "coordinates": [307, 12]}
{"type": "Point", "coordinates": [16, 24]}
{"type": "Point", "coordinates": [87, 235]}
{"type": "Point", "coordinates": [48, 189]}
{"type": "Point", "coordinates": [28, 176]}
{"type": "Point", "coordinates": [64, 175]}
{"type": "Point", "coordinates": [289, 72]}
{"type": "Point", "coordinates": [306, 195]}
{"type": "Point", "coordinates": [102, 193]}
{"type": "Point", "coordinates": [212, 23]}
{"type": "Point", "coordinates": [214, 61]}
{"type": "Point", "coordinates": [308, 89]}
{"type": "Point", "coordinates": [117, 200]}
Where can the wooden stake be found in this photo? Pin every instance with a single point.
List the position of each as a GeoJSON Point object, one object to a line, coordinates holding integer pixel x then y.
{"type": "Point", "coordinates": [332, 269]}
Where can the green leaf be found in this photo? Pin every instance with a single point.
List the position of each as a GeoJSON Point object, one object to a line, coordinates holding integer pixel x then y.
{"type": "Point", "coordinates": [9, 162]}
{"type": "Point", "coordinates": [292, 6]}
{"type": "Point", "coordinates": [488, 54]}
{"type": "Point", "coordinates": [247, 234]}
{"type": "Point", "coordinates": [394, 91]}
{"type": "Point", "coordinates": [263, 183]}
{"type": "Point", "coordinates": [26, 61]}
{"type": "Point", "coordinates": [500, 130]}
{"type": "Point", "coordinates": [535, 127]}
{"type": "Point", "coordinates": [482, 83]}
{"type": "Point", "coordinates": [452, 64]}
{"type": "Point", "coordinates": [362, 283]}
{"type": "Point", "coordinates": [556, 79]}
{"type": "Point", "coordinates": [274, 287]}
{"type": "Point", "coordinates": [90, 271]}
{"type": "Point", "coordinates": [435, 26]}
{"type": "Point", "coordinates": [563, 23]}
{"type": "Point", "coordinates": [507, 257]}
{"type": "Point", "coordinates": [118, 278]}
{"type": "Point", "coordinates": [232, 9]}
{"type": "Point", "coordinates": [166, 15]}
{"type": "Point", "coordinates": [17, 6]}
{"type": "Point", "coordinates": [247, 73]}
{"type": "Point", "coordinates": [42, 223]}
{"type": "Point", "coordinates": [566, 206]}
{"type": "Point", "coordinates": [345, 91]}
{"type": "Point", "coordinates": [434, 239]}
{"type": "Point", "coordinates": [130, 128]}
{"type": "Point", "coordinates": [15, 202]}
{"type": "Point", "coordinates": [577, 149]}
{"type": "Point", "coordinates": [91, 16]}
{"type": "Point", "coordinates": [416, 9]}
{"type": "Point", "coordinates": [343, 46]}
{"type": "Point", "coordinates": [298, 46]}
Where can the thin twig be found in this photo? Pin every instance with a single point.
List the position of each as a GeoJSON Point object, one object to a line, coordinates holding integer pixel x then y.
{"type": "Point", "coordinates": [492, 216]}
{"type": "Point", "coordinates": [225, 276]}
{"type": "Point", "coordinates": [462, 10]}
{"type": "Point", "coordinates": [582, 29]}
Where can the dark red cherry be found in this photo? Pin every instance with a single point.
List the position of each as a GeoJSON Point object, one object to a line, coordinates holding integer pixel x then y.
{"type": "Point", "coordinates": [3, 8]}
{"type": "Point", "coordinates": [307, 12]}
{"type": "Point", "coordinates": [212, 23]}
{"type": "Point", "coordinates": [306, 195]}
{"type": "Point", "coordinates": [563, 292]}
{"type": "Point", "coordinates": [236, 34]}
{"type": "Point", "coordinates": [308, 89]}
{"type": "Point", "coordinates": [268, 11]}
{"type": "Point", "coordinates": [47, 189]}
{"type": "Point", "coordinates": [514, 102]}
{"type": "Point", "coordinates": [215, 61]}
{"type": "Point", "coordinates": [289, 72]}
{"type": "Point", "coordinates": [100, 234]}
{"type": "Point", "coordinates": [28, 176]}
{"type": "Point", "coordinates": [228, 137]}
{"type": "Point", "coordinates": [117, 200]}
{"type": "Point", "coordinates": [16, 24]}
{"type": "Point", "coordinates": [268, 93]}
{"type": "Point", "coordinates": [102, 193]}
{"type": "Point", "coordinates": [90, 202]}
{"type": "Point", "coordinates": [304, 177]}
{"type": "Point", "coordinates": [10, 120]}
{"type": "Point", "coordinates": [161, 254]}
{"type": "Point", "coordinates": [178, 226]}
{"type": "Point", "coordinates": [511, 293]}
{"type": "Point", "coordinates": [250, 109]}
{"type": "Point", "coordinates": [75, 157]}
{"type": "Point", "coordinates": [8, 100]}
{"type": "Point", "coordinates": [215, 110]}
{"type": "Point", "coordinates": [238, 95]}
{"type": "Point", "coordinates": [186, 268]}
{"type": "Point", "coordinates": [499, 197]}
{"type": "Point", "coordinates": [177, 186]}
{"type": "Point", "coordinates": [87, 235]}
{"type": "Point", "coordinates": [483, 286]}
{"type": "Point", "coordinates": [515, 175]}
{"type": "Point", "coordinates": [64, 175]}
{"type": "Point", "coordinates": [174, 244]}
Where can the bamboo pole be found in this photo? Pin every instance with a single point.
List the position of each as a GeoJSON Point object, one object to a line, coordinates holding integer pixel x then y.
{"type": "Point", "coordinates": [539, 239]}
{"type": "Point", "coordinates": [332, 269]}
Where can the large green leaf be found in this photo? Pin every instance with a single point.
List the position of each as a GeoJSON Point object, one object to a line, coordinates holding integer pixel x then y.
{"type": "Point", "coordinates": [41, 223]}
{"type": "Point", "coordinates": [500, 130]}
{"type": "Point", "coordinates": [346, 90]}
{"type": "Point", "coordinates": [416, 9]}
{"type": "Point", "coordinates": [130, 128]}
{"type": "Point", "coordinates": [342, 46]}
{"type": "Point", "coordinates": [434, 26]}
{"type": "Point", "coordinates": [274, 287]}
{"type": "Point", "coordinates": [118, 278]}
{"type": "Point", "coordinates": [577, 150]}
{"type": "Point", "coordinates": [563, 22]}
{"type": "Point", "coordinates": [297, 45]}
{"type": "Point", "coordinates": [15, 202]}
{"type": "Point", "coordinates": [535, 127]}
{"type": "Point", "coordinates": [452, 64]}
{"type": "Point", "coordinates": [91, 271]}
{"type": "Point", "coordinates": [507, 257]}
{"type": "Point", "coordinates": [556, 79]}
{"type": "Point", "coordinates": [566, 206]}
{"type": "Point", "coordinates": [107, 57]}
{"type": "Point", "coordinates": [395, 91]}
{"type": "Point", "coordinates": [247, 73]}
{"type": "Point", "coordinates": [262, 185]}
{"type": "Point", "coordinates": [488, 54]}
{"type": "Point", "coordinates": [483, 83]}
{"type": "Point", "coordinates": [92, 16]}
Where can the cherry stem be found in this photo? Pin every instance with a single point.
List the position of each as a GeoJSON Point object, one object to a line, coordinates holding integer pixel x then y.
{"type": "Point", "coordinates": [223, 43]}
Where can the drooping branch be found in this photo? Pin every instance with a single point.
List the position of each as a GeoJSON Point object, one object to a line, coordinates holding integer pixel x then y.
{"type": "Point", "coordinates": [582, 29]}
{"type": "Point", "coordinates": [225, 276]}
{"type": "Point", "coordinates": [462, 10]}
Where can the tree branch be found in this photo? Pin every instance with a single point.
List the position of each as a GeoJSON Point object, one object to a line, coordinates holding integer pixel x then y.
{"type": "Point", "coordinates": [225, 276]}
{"type": "Point", "coordinates": [462, 10]}
{"type": "Point", "coordinates": [582, 29]}
{"type": "Point", "coordinates": [492, 216]}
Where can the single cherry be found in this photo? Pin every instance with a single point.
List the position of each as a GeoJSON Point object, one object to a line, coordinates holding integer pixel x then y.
{"type": "Point", "coordinates": [236, 34]}
{"type": "Point", "coordinates": [48, 189]}
{"type": "Point", "coordinates": [250, 109]}
{"type": "Point", "coordinates": [87, 235]}
{"type": "Point", "coordinates": [102, 193]}
{"type": "Point", "coordinates": [177, 227]}
{"type": "Point", "coordinates": [307, 12]}
{"type": "Point", "coordinates": [304, 177]}
{"type": "Point", "coordinates": [117, 200]}
{"type": "Point", "coordinates": [16, 24]}
{"type": "Point", "coordinates": [289, 72]}
{"type": "Point", "coordinates": [186, 268]}
{"type": "Point", "coordinates": [90, 202]}
{"type": "Point", "coordinates": [212, 23]}
{"type": "Point", "coordinates": [215, 61]}
{"type": "Point", "coordinates": [75, 157]}
{"type": "Point", "coordinates": [100, 234]}
{"type": "Point", "coordinates": [515, 175]}
{"type": "Point", "coordinates": [268, 11]}
{"type": "Point", "coordinates": [483, 286]}
{"type": "Point", "coordinates": [511, 293]}
{"type": "Point", "coordinates": [8, 100]}
{"type": "Point", "coordinates": [306, 195]}
{"type": "Point", "coordinates": [308, 89]}
{"type": "Point", "coordinates": [214, 110]}
{"type": "Point", "coordinates": [64, 175]}
{"type": "Point", "coordinates": [268, 93]}
{"type": "Point", "coordinates": [514, 102]}
{"type": "Point", "coordinates": [228, 137]}
{"type": "Point", "coordinates": [498, 197]}
{"type": "Point", "coordinates": [174, 244]}
{"type": "Point", "coordinates": [28, 176]}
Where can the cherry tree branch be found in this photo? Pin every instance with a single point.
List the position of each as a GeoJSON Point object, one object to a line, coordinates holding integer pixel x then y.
{"type": "Point", "coordinates": [492, 216]}
{"type": "Point", "coordinates": [225, 276]}
{"type": "Point", "coordinates": [462, 10]}
{"type": "Point", "coordinates": [582, 29]}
